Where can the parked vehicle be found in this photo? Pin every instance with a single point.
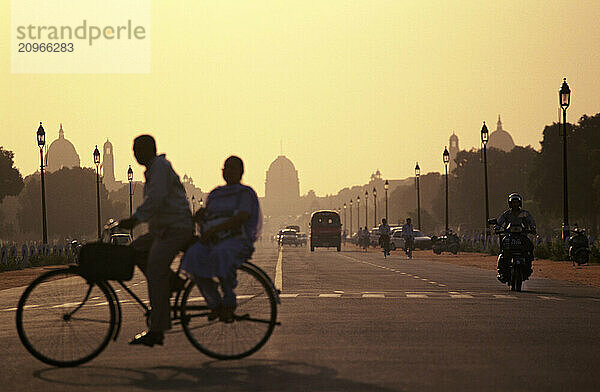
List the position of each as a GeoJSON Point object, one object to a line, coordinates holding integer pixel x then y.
{"type": "Point", "coordinates": [325, 230]}
{"type": "Point", "coordinates": [579, 247]}
{"type": "Point", "coordinates": [445, 243]}
{"type": "Point", "coordinates": [421, 241]}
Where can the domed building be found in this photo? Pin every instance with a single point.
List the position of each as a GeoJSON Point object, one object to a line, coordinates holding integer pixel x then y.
{"type": "Point", "coordinates": [501, 139]}
{"type": "Point", "coordinates": [61, 153]}
{"type": "Point", "coordinates": [282, 187]}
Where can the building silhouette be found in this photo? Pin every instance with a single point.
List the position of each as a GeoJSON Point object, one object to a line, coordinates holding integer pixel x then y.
{"type": "Point", "coordinates": [501, 139]}
{"type": "Point", "coordinates": [453, 150]}
{"type": "Point", "coordinates": [282, 188]}
{"type": "Point", "coordinates": [61, 153]}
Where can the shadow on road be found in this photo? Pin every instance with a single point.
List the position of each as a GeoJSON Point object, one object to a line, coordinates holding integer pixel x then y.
{"type": "Point", "coordinates": [247, 375]}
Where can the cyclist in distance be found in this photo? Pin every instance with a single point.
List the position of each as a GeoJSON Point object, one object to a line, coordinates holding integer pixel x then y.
{"type": "Point", "coordinates": [515, 216]}
{"type": "Point", "coordinates": [230, 224]}
{"type": "Point", "coordinates": [167, 212]}
{"type": "Point", "coordinates": [384, 236]}
{"type": "Point", "coordinates": [408, 235]}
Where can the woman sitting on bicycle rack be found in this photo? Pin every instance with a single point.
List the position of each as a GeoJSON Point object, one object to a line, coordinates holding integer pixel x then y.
{"type": "Point", "coordinates": [230, 224]}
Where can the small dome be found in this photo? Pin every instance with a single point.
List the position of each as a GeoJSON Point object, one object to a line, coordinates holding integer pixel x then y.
{"type": "Point", "coordinates": [501, 139]}
{"type": "Point", "coordinates": [61, 153]}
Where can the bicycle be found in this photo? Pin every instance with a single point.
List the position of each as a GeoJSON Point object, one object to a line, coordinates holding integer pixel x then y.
{"type": "Point", "coordinates": [64, 319]}
{"type": "Point", "coordinates": [385, 245]}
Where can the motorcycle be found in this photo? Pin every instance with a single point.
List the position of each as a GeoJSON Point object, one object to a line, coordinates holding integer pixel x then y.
{"type": "Point", "coordinates": [445, 243]}
{"type": "Point", "coordinates": [579, 249]}
{"type": "Point", "coordinates": [514, 247]}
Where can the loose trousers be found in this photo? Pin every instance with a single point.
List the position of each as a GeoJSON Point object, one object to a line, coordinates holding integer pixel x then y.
{"type": "Point", "coordinates": [154, 254]}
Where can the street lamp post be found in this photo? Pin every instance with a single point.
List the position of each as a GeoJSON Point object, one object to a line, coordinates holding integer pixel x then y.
{"type": "Point", "coordinates": [358, 211]}
{"type": "Point", "coordinates": [350, 218]}
{"type": "Point", "coordinates": [386, 186]}
{"type": "Point", "coordinates": [130, 179]}
{"type": "Point", "coordinates": [345, 222]}
{"type": "Point", "coordinates": [418, 177]}
{"type": "Point", "coordinates": [565, 100]}
{"type": "Point", "coordinates": [484, 141]}
{"type": "Point", "coordinates": [97, 162]}
{"type": "Point", "coordinates": [446, 156]}
{"type": "Point", "coordinates": [41, 141]}
{"type": "Point", "coordinates": [367, 210]}
{"type": "Point", "coordinates": [375, 207]}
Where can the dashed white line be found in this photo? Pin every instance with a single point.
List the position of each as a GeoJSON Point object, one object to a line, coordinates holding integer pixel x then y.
{"type": "Point", "coordinates": [416, 296]}
{"type": "Point", "coordinates": [373, 295]}
{"type": "Point", "coordinates": [330, 295]}
{"type": "Point", "coordinates": [278, 271]}
{"type": "Point", "coordinates": [460, 296]}
{"type": "Point", "coordinates": [550, 298]}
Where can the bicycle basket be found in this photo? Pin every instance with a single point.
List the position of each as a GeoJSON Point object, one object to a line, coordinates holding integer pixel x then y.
{"type": "Point", "coordinates": [100, 261]}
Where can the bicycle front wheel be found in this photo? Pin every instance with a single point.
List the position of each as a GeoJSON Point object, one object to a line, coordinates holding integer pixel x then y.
{"type": "Point", "coordinates": [63, 320]}
{"type": "Point", "coordinates": [254, 319]}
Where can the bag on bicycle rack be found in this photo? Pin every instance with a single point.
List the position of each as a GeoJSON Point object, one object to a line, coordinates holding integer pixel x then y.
{"type": "Point", "coordinates": [100, 261]}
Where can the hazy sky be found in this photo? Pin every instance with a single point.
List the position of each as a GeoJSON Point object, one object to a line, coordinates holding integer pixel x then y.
{"type": "Point", "coordinates": [348, 86]}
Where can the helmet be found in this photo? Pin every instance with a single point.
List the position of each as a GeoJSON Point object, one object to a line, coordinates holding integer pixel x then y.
{"type": "Point", "coordinates": [514, 196]}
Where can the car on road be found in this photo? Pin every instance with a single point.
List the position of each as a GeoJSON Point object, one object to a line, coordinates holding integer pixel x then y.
{"type": "Point", "coordinates": [288, 237]}
{"type": "Point", "coordinates": [325, 230]}
{"type": "Point", "coordinates": [120, 239]}
{"type": "Point", "coordinates": [374, 237]}
{"type": "Point", "coordinates": [421, 240]}
{"type": "Point", "coordinates": [302, 239]}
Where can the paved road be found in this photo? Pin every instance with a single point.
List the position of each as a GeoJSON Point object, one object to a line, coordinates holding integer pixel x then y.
{"type": "Point", "coordinates": [352, 321]}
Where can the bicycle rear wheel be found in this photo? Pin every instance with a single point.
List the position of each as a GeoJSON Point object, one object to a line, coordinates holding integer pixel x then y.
{"type": "Point", "coordinates": [63, 320]}
{"type": "Point", "coordinates": [254, 320]}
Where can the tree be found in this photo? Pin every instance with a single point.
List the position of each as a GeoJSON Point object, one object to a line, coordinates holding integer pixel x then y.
{"type": "Point", "coordinates": [70, 201]}
{"type": "Point", "coordinates": [11, 181]}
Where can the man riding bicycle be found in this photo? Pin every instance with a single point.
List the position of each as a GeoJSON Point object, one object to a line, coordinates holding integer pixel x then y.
{"type": "Point", "coordinates": [167, 212]}
{"type": "Point", "coordinates": [408, 235]}
{"type": "Point", "coordinates": [384, 236]}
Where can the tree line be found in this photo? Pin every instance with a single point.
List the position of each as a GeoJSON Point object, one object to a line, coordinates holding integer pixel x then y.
{"type": "Point", "coordinates": [536, 175]}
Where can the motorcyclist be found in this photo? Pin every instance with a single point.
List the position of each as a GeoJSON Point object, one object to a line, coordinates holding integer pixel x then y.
{"type": "Point", "coordinates": [408, 234]}
{"type": "Point", "coordinates": [384, 235]}
{"type": "Point", "coordinates": [515, 215]}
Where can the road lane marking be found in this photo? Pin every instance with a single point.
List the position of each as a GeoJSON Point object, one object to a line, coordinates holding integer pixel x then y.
{"type": "Point", "coordinates": [278, 273]}
{"type": "Point", "coordinates": [9, 310]}
{"type": "Point", "coordinates": [504, 296]}
{"type": "Point", "coordinates": [460, 296]}
{"type": "Point", "coordinates": [373, 295]}
{"type": "Point", "coordinates": [288, 295]}
{"type": "Point", "coordinates": [330, 295]}
{"type": "Point", "coordinates": [550, 298]}
{"type": "Point", "coordinates": [66, 305]}
{"type": "Point", "coordinates": [339, 291]}
{"type": "Point", "coordinates": [416, 296]}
